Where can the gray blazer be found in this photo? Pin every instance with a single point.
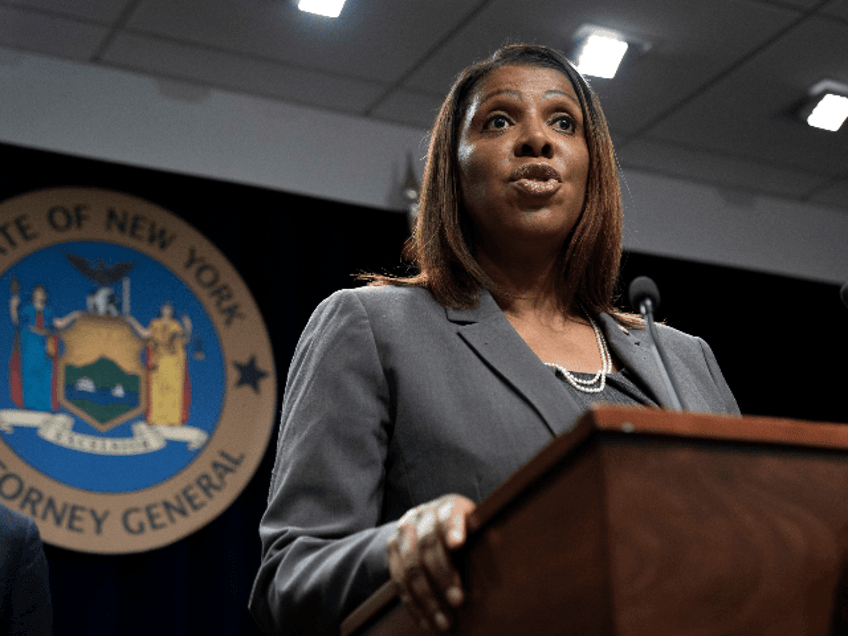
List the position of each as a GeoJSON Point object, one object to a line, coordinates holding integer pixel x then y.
{"type": "Point", "coordinates": [393, 400]}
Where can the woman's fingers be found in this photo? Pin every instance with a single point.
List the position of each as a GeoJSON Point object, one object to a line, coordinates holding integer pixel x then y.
{"type": "Point", "coordinates": [438, 568]}
{"type": "Point", "coordinates": [452, 516]}
{"type": "Point", "coordinates": [419, 561]}
{"type": "Point", "coordinates": [416, 553]}
{"type": "Point", "coordinates": [407, 571]}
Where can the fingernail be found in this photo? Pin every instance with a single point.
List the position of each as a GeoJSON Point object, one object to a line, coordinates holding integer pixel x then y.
{"type": "Point", "coordinates": [454, 596]}
{"type": "Point", "coordinates": [456, 535]}
{"type": "Point", "coordinates": [441, 621]}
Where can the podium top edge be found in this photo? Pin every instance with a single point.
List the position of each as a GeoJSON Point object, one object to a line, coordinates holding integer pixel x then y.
{"type": "Point", "coordinates": [719, 427]}
{"type": "Point", "coordinates": [635, 421]}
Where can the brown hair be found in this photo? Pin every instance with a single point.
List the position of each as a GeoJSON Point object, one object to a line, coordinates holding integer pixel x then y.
{"type": "Point", "coordinates": [440, 245]}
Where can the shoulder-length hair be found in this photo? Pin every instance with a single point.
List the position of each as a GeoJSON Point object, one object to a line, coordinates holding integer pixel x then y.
{"type": "Point", "coordinates": [441, 243]}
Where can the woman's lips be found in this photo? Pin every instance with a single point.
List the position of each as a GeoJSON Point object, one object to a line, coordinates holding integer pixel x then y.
{"type": "Point", "coordinates": [536, 179]}
{"type": "Point", "coordinates": [537, 187]}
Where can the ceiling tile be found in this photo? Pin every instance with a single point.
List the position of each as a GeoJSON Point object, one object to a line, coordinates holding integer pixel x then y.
{"type": "Point", "coordinates": [691, 41]}
{"type": "Point", "coordinates": [104, 11]}
{"type": "Point", "coordinates": [409, 108]}
{"type": "Point", "coordinates": [747, 113]}
{"type": "Point", "coordinates": [378, 40]}
{"type": "Point", "coordinates": [240, 73]}
{"type": "Point", "coordinates": [715, 169]}
{"type": "Point", "coordinates": [837, 8]}
{"type": "Point", "coordinates": [48, 34]}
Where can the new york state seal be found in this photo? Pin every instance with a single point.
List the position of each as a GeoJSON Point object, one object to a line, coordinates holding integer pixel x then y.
{"type": "Point", "coordinates": [141, 389]}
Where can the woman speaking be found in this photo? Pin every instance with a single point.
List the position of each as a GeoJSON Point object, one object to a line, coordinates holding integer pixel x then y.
{"type": "Point", "coordinates": [411, 399]}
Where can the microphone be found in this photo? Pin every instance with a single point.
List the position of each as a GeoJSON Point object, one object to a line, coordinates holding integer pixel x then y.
{"type": "Point", "coordinates": [843, 294]}
{"type": "Point", "coordinates": [645, 296]}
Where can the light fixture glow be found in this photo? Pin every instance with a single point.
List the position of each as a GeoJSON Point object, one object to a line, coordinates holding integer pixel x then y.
{"type": "Point", "coordinates": [328, 8]}
{"type": "Point", "coordinates": [830, 113]}
{"type": "Point", "coordinates": [601, 54]}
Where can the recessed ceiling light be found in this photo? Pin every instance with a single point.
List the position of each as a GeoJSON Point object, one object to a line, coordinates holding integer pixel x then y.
{"type": "Point", "coordinates": [826, 105]}
{"type": "Point", "coordinates": [328, 8]}
{"type": "Point", "coordinates": [601, 52]}
{"type": "Point", "coordinates": [830, 113]}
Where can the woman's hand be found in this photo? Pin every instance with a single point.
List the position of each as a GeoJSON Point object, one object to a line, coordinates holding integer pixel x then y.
{"type": "Point", "coordinates": [427, 582]}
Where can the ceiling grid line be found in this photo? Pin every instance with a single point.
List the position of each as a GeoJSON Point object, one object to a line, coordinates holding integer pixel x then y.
{"type": "Point", "coordinates": [52, 13]}
{"type": "Point", "coordinates": [117, 26]}
{"type": "Point", "coordinates": [242, 55]}
{"type": "Point", "coordinates": [427, 55]}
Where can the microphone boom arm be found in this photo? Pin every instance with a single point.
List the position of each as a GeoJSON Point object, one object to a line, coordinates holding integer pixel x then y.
{"type": "Point", "coordinates": [646, 308]}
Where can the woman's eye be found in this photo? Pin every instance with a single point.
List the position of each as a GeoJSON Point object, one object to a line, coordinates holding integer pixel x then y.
{"type": "Point", "coordinates": [496, 122]}
{"type": "Point", "coordinates": [563, 123]}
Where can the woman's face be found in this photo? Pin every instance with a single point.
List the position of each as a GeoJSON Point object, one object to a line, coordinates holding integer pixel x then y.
{"type": "Point", "coordinates": [523, 160]}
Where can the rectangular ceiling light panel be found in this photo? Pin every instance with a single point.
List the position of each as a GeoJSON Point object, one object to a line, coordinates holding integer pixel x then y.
{"type": "Point", "coordinates": [328, 8]}
{"type": "Point", "coordinates": [830, 113]}
{"type": "Point", "coordinates": [601, 54]}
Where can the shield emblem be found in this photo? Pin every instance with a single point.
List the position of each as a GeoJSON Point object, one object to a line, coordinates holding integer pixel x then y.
{"type": "Point", "coordinates": [101, 376]}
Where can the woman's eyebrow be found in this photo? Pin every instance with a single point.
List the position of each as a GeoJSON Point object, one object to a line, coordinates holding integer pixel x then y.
{"type": "Point", "coordinates": [557, 93]}
{"type": "Point", "coordinates": [517, 94]}
{"type": "Point", "coordinates": [503, 91]}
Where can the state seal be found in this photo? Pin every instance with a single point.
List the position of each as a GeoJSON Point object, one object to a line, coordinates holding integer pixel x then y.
{"type": "Point", "coordinates": [141, 389]}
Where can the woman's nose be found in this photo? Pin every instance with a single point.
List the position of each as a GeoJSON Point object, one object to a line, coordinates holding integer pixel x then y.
{"type": "Point", "coordinates": [534, 142]}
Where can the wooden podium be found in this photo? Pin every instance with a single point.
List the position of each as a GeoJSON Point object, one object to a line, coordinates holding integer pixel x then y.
{"type": "Point", "coordinates": [655, 523]}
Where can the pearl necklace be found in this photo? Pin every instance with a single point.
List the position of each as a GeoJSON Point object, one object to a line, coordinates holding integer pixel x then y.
{"type": "Point", "coordinates": [600, 378]}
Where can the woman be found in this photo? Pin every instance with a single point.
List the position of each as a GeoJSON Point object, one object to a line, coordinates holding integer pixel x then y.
{"type": "Point", "coordinates": [410, 400]}
{"type": "Point", "coordinates": [33, 369]}
{"type": "Point", "coordinates": [168, 386]}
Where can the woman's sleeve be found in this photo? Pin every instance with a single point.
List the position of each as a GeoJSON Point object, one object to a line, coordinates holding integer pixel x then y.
{"type": "Point", "coordinates": [323, 551]}
{"type": "Point", "coordinates": [729, 402]}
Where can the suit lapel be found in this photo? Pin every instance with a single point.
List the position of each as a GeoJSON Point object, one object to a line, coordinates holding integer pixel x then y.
{"type": "Point", "coordinates": [487, 331]}
{"type": "Point", "coordinates": [635, 350]}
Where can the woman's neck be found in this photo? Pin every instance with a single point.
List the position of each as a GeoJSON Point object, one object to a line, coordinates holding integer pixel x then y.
{"type": "Point", "coordinates": [527, 289]}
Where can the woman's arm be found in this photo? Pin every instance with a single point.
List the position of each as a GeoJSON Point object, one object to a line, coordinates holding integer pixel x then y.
{"type": "Point", "coordinates": [323, 543]}
{"type": "Point", "coordinates": [142, 332]}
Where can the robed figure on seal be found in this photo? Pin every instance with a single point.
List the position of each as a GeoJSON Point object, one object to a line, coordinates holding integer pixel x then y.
{"type": "Point", "coordinates": [32, 368]}
{"type": "Point", "coordinates": [169, 387]}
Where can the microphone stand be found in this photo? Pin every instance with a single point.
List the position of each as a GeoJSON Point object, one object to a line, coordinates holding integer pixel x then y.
{"type": "Point", "coordinates": [646, 308]}
{"type": "Point", "coordinates": [645, 296]}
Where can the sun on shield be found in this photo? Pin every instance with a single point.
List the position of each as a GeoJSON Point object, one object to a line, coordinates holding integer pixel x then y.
{"type": "Point", "coordinates": [101, 377]}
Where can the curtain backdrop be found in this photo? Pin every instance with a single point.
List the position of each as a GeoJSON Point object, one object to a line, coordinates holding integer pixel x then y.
{"type": "Point", "coordinates": [782, 344]}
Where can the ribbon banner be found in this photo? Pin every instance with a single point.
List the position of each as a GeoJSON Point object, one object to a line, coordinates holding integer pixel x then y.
{"type": "Point", "coordinates": [58, 429]}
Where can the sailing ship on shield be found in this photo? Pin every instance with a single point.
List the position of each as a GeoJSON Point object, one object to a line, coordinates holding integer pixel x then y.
{"type": "Point", "coordinates": [105, 368]}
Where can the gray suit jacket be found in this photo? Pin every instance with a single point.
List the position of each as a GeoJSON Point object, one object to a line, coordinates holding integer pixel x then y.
{"type": "Point", "coordinates": [393, 400]}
